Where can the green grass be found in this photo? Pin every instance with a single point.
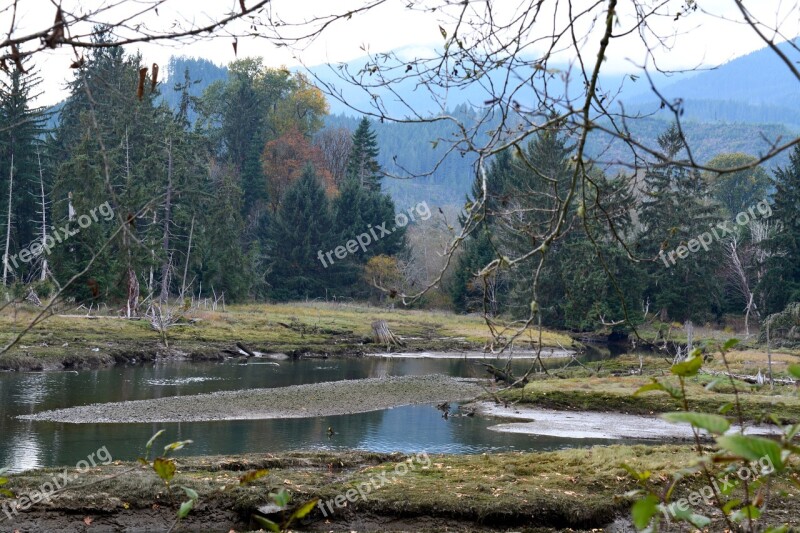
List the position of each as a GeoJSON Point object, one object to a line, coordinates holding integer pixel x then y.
{"type": "Point", "coordinates": [73, 340]}
{"type": "Point", "coordinates": [610, 393]}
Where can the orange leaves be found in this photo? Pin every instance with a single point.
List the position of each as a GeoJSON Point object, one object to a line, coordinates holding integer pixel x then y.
{"type": "Point", "coordinates": [284, 159]}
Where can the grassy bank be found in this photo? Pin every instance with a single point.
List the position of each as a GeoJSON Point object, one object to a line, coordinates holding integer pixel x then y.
{"type": "Point", "coordinates": [573, 489]}
{"type": "Point", "coordinates": [70, 340]}
{"type": "Point", "coordinates": [609, 386]}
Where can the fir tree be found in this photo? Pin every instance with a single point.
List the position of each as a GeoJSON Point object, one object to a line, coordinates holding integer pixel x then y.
{"type": "Point", "coordinates": [300, 232]}
{"type": "Point", "coordinates": [21, 137]}
{"type": "Point", "coordinates": [677, 208]}
{"type": "Point", "coordinates": [782, 281]}
{"type": "Point", "coordinates": [363, 163]}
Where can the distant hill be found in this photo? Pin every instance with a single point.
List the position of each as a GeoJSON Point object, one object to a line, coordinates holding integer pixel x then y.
{"type": "Point", "coordinates": [755, 88]}
{"type": "Point", "coordinates": [727, 110]}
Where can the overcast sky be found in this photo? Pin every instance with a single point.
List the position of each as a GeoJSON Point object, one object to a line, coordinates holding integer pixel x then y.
{"type": "Point", "coordinates": [704, 38]}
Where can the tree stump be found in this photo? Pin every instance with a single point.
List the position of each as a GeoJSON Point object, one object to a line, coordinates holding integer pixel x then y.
{"type": "Point", "coordinates": [383, 335]}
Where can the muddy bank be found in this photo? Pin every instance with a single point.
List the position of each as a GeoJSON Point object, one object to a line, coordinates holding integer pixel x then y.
{"type": "Point", "coordinates": [548, 353]}
{"type": "Point", "coordinates": [507, 492]}
{"type": "Point", "coordinates": [595, 425]}
{"type": "Point", "coordinates": [575, 490]}
{"type": "Point", "coordinates": [300, 401]}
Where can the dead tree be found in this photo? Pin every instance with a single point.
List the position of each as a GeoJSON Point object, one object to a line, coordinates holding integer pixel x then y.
{"type": "Point", "coordinates": [504, 375]}
{"type": "Point", "coordinates": [8, 222]}
{"type": "Point", "coordinates": [165, 267]}
{"type": "Point", "coordinates": [382, 334]}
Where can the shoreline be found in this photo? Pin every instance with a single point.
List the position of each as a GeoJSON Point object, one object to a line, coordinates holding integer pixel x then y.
{"type": "Point", "coordinates": [596, 425]}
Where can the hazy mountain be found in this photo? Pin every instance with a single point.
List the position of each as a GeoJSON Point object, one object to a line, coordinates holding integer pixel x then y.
{"type": "Point", "coordinates": [727, 109]}
{"type": "Point", "coordinates": [755, 88]}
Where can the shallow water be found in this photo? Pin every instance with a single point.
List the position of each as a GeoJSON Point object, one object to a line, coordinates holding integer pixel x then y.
{"type": "Point", "coordinates": [27, 444]}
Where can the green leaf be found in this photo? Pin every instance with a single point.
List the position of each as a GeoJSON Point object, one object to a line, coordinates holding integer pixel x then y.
{"type": "Point", "coordinates": [752, 448]}
{"type": "Point", "coordinates": [712, 423]}
{"type": "Point", "coordinates": [443, 32]}
{"type": "Point", "coordinates": [641, 476]}
{"type": "Point", "coordinates": [191, 493]}
{"type": "Point", "coordinates": [249, 477]}
{"type": "Point", "coordinates": [730, 505]}
{"type": "Point", "coordinates": [746, 513]}
{"type": "Point", "coordinates": [652, 386]}
{"type": "Point", "coordinates": [7, 493]}
{"type": "Point", "coordinates": [269, 525]}
{"type": "Point", "coordinates": [687, 515]}
{"type": "Point", "coordinates": [176, 446]}
{"type": "Point", "coordinates": [794, 370]}
{"type": "Point", "coordinates": [643, 510]}
{"type": "Point", "coordinates": [303, 510]}
{"type": "Point", "coordinates": [151, 441]}
{"type": "Point", "coordinates": [165, 468]}
{"type": "Point", "coordinates": [730, 343]}
{"type": "Point", "coordinates": [185, 508]}
{"type": "Point", "coordinates": [779, 529]}
{"type": "Point", "coordinates": [281, 498]}
{"type": "Point", "coordinates": [725, 408]}
{"type": "Point", "coordinates": [688, 368]}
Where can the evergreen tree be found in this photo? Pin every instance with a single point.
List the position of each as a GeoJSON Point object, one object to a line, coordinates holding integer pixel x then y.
{"type": "Point", "coordinates": [363, 163]}
{"type": "Point", "coordinates": [300, 231]}
{"type": "Point", "coordinates": [676, 209]}
{"type": "Point", "coordinates": [782, 281]}
{"type": "Point", "coordinates": [22, 130]}
{"type": "Point", "coordinates": [737, 191]}
{"type": "Point", "coordinates": [358, 211]}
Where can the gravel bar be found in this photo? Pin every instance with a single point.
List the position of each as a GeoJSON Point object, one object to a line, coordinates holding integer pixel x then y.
{"type": "Point", "coordinates": [300, 401]}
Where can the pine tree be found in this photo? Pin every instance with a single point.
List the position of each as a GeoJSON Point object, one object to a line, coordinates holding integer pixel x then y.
{"type": "Point", "coordinates": [782, 281]}
{"type": "Point", "coordinates": [677, 208]}
{"type": "Point", "coordinates": [21, 138]}
{"type": "Point", "coordinates": [299, 234]}
{"type": "Point", "coordinates": [363, 163]}
{"type": "Point", "coordinates": [358, 211]}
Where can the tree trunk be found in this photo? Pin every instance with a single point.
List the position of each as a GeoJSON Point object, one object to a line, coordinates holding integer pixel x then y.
{"type": "Point", "coordinates": [383, 335]}
{"type": "Point", "coordinates": [8, 223]}
{"type": "Point", "coordinates": [45, 269]}
{"type": "Point", "coordinates": [186, 265]}
{"type": "Point", "coordinates": [167, 209]}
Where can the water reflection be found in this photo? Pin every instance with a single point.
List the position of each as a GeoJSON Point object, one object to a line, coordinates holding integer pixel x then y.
{"type": "Point", "coordinates": [26, 444]}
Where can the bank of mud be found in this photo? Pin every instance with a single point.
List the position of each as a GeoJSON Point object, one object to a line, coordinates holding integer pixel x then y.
{"type": "Point", "coordinates": [569, 490]}
{"type": "Point", "coordinates": [519, 492]}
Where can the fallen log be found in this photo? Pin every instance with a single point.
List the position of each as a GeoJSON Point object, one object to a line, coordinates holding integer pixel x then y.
{"type": "Point", "coordinates": [383, 335]}
{"type": "Point", "coordinates": [751, 379]}
{"type": "Point", "coordinates": [245, 349]}
{"type": "Point", "coordinates": [502, 375]}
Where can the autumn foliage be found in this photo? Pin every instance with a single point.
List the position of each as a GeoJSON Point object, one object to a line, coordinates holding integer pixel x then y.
{"type": "Point", "coordinates": [284, 159]}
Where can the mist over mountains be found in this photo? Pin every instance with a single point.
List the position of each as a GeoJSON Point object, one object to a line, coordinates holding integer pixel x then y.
{"type": "Point", "coordinates": [725, 109]}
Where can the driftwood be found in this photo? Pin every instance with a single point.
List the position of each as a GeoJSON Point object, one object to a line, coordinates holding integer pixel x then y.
{"type": "Point", "coordinates": [751, 379]}
{"type": "Point", "coordinates": [502, 375]}
{"type": "Point", "coordinates": [33, 298]}
{"type": "Point", "coordinates": [383, 335]}
{"type": "Point", "coordinates": [245, 349]}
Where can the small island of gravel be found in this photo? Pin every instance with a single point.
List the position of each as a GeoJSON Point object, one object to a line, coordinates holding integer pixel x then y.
{"type": "Point", "coordinates": [317, 399]}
